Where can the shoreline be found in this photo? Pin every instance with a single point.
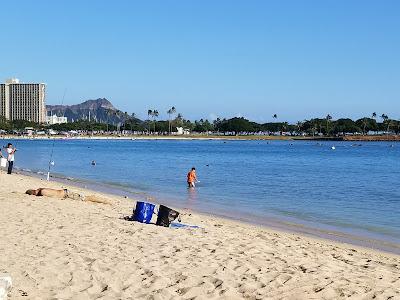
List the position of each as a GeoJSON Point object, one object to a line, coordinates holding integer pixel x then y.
{"type": "Point", "coordinates": [273, 222]}
{"type": "Point", "coordinates": [360, 138]}
{"type": "Point", "coordinates": [68, 249]}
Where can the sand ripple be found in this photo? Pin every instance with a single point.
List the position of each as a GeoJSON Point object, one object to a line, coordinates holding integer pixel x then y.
{"type": "Point", "coordinates": [74, 250]}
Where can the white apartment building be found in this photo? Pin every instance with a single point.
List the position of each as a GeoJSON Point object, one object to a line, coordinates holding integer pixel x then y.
{"type": "Point", "coordinates": [23, 101]}
{"type": "Point", "coordinates": [53, 119]}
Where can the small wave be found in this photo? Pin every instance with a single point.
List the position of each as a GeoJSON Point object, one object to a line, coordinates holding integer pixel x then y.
{"type": "Point", "coordinates": [118, 184]}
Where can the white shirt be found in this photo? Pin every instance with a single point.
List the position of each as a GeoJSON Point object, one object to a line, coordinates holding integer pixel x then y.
{"type": "Point", "coordinates": [10, 154]}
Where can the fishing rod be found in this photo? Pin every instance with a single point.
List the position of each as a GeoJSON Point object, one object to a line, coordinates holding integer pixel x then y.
{"type": "Point", "coordinates": [51, 162]}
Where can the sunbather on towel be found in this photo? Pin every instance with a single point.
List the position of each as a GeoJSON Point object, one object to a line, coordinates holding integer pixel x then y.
{"type": "Point", "coordinates": [65, 193]}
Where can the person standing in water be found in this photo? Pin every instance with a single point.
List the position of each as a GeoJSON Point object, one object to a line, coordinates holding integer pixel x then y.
{"type": "Point", "coordinates": [10, 158]}
{"type": "Point", "coordinates": [191, 177]}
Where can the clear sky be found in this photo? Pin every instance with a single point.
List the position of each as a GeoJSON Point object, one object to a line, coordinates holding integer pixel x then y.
{"type": "Point", "coordinates": [297, 58]}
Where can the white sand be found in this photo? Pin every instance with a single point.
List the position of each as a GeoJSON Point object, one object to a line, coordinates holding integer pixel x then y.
{"type": "Point", "coordinates": [65, 249]}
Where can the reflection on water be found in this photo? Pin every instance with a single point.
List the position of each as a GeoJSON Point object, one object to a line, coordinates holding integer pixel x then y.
{"type": "Point", "coordinates": [191, 198]}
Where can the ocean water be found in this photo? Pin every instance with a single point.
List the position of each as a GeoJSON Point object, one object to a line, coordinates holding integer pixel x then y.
{"type": "Point", "coordinates": [352, 189]}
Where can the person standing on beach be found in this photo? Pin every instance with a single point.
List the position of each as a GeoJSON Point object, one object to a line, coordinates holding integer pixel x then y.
{"type": "Point", "coordinates": [10, 158]}
{"type": "Point", "coordinates": [191, 177]}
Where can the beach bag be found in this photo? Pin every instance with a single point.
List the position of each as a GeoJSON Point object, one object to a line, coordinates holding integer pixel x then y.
{"type": "Point", "coordinates": [3, 162]}
{"type": "Point", "coordinates": [143, 212]}
{"type": "Point", "coordinates": [166, 215]}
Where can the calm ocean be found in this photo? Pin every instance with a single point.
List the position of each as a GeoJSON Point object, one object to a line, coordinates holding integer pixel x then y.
{"type": "Point", "coordinates": [353, 189]}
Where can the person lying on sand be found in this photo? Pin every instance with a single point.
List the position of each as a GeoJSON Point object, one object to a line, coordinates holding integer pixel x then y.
{"type": "Point", "coordinates": [55, 193]}
{"type": "Point", "coordinates": [64, 194]}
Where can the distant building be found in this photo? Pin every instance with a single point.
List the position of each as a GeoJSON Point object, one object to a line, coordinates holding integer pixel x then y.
{"type": "Point", "coordinates": [53, 119]}
{"type": "Point", "coordinates": [23, 101]}
{"type": "Point", "coordinates": [182, 131]}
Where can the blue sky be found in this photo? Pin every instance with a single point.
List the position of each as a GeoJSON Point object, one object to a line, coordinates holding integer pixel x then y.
{"type": "Point", "coordinates": [297, 59]}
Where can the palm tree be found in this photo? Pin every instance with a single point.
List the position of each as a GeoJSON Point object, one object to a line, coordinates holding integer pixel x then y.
{"type": "Point", "coordinates": [149, 115]}
{"type": "Point", "coordinates": [385, 119]}
{"type": "Point", "coordinates": [284, 127]}
{"type": "Point", "coordinates": [314, 129]}
{"type": "Point", "coordinates": [170, 112]}
{"type": "Point", "coordinates": [299, 126]}
{"type": "Point", "coordinates": [328, 118]}
{"type": "Point", "coordinates": [374, 117]}
{"type": "Point", "coordinates": [275, 116]}
{"type": "Point", "coordinates": [364, 123]}
{"type": "Point", "coordinates": [131, 118]}
{"type": "Point", "coordinates": [155, 116]}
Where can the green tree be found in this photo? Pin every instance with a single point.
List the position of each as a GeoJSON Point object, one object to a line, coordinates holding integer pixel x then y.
{"type": "Point", "coordinates": [284, 127]}
{"type": "Point", "coordinates": [314, 126]}
{"type": "Point", "coordinates": [386, 121]}
{"type": "Point", "coordinates": [236, 125]}
{"type": "Point", "coordinates": [328, 120]}
{"type": "Point", "coordinates": [179, 120]}
{"type": "Point", "coordinates": [345, 125]}
{"type": "Point", "coordinates": [202, 126]}
{"type": "Point", "coordinates": [367, 124]}
{"type": "Point", "coordinates": [299, 125]}
{"type": "Point", "coordinates": [364, 122]}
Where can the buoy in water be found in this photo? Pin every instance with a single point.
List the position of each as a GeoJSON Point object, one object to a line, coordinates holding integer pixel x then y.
{"type": "Point", "coordinates": [333, 147]}
{"type": "Point", "coordinates": [93, 162]}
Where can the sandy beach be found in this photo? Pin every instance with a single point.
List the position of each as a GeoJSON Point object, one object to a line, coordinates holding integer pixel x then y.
{"type": "Point", "coordinates": [68, 249]}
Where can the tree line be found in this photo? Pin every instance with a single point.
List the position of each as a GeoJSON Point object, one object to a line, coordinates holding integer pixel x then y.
{"type": "Point", "coordinates": [238, 125]}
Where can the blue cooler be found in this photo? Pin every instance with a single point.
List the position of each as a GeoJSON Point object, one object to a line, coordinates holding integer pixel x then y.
{"type": "Point", "coordinates": [143, 212]}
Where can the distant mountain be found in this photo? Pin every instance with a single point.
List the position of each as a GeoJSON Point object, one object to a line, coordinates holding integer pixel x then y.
{"type": "Point", "coordinates": [100, 110]}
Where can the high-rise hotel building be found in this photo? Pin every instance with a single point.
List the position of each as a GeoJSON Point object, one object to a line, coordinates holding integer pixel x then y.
{"type": "Point", "coordinates": [23, 101]}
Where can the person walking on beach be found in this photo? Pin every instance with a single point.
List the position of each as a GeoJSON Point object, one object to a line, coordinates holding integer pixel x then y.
{"type": "Point", "coordinates": [10, 158]}
{"type": "Point", "coordinates": [191, 178]}
{"type": "Point", "coordinates": [2, 158]}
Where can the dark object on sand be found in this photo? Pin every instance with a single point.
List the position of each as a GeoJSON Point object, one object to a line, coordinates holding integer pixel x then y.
{"type": "Point", "coordinates": [143, 212]}
{"type": "Point", "coordinates": [166, 215]}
